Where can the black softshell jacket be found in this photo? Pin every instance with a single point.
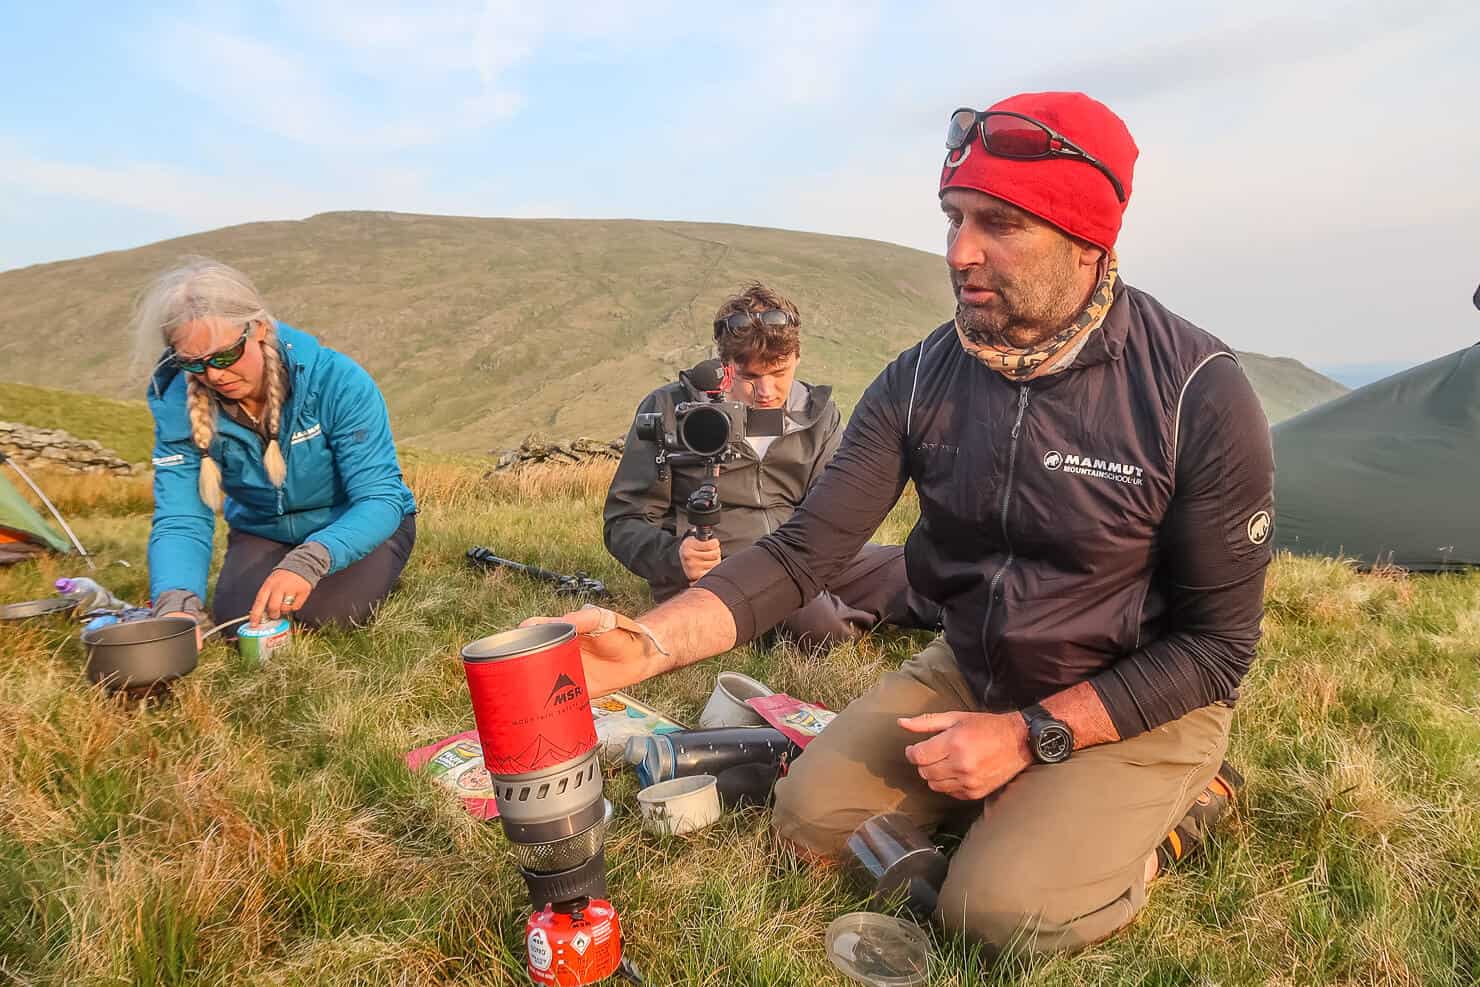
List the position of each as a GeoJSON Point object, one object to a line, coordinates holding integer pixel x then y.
{"type": "Point", "coordinates": [1110, 523]}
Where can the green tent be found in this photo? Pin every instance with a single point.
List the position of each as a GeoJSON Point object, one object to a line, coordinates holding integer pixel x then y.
{"type": "Point", "coordinates": [1388, 474]}
{"type": "Point", "coordinates": [23, 531]}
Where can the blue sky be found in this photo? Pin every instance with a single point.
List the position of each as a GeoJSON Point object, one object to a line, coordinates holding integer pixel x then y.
{"type": "Point", "coordinates": [1309, 181]}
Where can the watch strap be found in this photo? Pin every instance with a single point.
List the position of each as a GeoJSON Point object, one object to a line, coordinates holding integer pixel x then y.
{"type": "Point", "coordinates": [1034, 712]}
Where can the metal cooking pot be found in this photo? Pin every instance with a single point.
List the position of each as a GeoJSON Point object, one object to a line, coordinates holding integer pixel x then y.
{"type": "Point", "coordinates": [141, 652]}
{"type": "Point", "coordinates": [36, 608]}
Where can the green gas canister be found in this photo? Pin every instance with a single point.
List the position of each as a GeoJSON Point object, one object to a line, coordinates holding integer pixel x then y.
{"type": "Point", "coordinates": [256, 643]}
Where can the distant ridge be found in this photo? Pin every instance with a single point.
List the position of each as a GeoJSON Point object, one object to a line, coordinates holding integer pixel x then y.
{"type": "Point", "coordinates": [481, 331]}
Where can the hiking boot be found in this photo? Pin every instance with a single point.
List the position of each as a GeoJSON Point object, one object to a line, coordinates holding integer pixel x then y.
{"type": "Point", "coordinates": [1212, 803]}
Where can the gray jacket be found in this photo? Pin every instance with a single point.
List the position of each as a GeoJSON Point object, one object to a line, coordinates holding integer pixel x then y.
{"type": "Point", "coordinates": [644, 515]}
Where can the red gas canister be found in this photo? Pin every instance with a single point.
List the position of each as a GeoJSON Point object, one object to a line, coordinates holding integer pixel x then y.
{"type": "Point", "coordinates": [574, 946]}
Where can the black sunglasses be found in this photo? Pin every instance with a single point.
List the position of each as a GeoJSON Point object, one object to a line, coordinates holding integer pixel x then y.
{"type": "Point", "coordinates": [1020, 138]}
{"type": "Point", "coordinates": [221, 359]}
{"type": "Point", "coordinates": [740, 321]}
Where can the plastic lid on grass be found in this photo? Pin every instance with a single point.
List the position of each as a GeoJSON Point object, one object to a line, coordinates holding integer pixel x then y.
{"type": "Point", "coordinates": [879, 950]}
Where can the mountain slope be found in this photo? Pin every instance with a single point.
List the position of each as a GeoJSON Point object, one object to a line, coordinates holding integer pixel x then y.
{"type": "Point", "coordinates": [483, 330]}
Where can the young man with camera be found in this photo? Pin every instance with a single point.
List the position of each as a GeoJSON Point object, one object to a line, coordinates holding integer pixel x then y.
{"type": "Point", "coordinates": [761, 478]}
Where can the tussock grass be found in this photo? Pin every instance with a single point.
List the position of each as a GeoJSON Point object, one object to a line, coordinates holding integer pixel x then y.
{"type": "Point", "coordinates": [261, 827]}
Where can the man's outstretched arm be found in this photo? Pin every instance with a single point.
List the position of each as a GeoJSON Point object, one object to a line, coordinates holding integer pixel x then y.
{"type": "Point", "coordinates": [751, 592]}
{"type": "Point", "coordinates": [618, 651]}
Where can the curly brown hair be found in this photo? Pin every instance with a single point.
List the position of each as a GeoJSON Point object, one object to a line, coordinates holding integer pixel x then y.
{"type": "Point", "coordinates": [763, 344]}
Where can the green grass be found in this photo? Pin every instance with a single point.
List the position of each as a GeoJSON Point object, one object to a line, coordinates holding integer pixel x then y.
{"type": "Point", "coordinates": [126, 427]}
{"type": "Point", "coordinates": [262, 829]}
{"type": "Point", "coordinates": [480, 331]}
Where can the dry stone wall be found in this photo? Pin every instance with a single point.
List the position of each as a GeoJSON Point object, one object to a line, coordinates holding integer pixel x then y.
{"type": "Point", "coordinates": [56, 449]}
{"type": "Point", "coordinates": [571, 452]}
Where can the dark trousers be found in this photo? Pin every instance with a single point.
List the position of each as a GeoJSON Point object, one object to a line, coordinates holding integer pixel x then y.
{"type": "Point", "coordinates": [348, 596]}
{"type": "Point", "coordinates": [872, 590]}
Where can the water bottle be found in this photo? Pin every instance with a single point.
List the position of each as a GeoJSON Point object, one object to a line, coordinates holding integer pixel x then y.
{"type": "Point", "coordinates": [88, 595]}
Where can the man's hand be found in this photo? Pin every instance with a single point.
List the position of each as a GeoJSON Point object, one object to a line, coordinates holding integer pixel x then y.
{"type": "Point", "coordinates": [698, 557]}
{"type": "Point", "coordinates": [282, 593]}
{"type": "Point", "coordinates": [616, 651]}
{"type": "Point", "coordinates": [972, 754]}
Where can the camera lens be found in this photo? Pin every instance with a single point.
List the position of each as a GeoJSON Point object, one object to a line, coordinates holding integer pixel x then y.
{"type": "Point", "coordinates": [705, 430]}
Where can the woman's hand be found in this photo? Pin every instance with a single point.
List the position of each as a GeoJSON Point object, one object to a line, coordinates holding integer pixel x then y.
{"type": "Point", "coordinates": [281, 594]}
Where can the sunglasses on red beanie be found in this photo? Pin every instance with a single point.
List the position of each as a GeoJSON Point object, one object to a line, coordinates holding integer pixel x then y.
{"type": "Point", "coordinates": [1019, 138]}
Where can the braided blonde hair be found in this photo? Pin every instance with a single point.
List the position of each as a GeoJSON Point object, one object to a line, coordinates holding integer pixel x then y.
{"type": "Point", "coordinates": [202, 288]}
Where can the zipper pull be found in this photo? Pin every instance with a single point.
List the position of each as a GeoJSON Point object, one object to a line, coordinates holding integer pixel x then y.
{"type": "Point", "coordinates": [1022, 407]}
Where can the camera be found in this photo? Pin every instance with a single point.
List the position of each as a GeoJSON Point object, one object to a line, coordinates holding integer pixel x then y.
{"type": "Point", "coordinates": [708, 431]}
{"type": "Point", "coordinates": [712, 428]}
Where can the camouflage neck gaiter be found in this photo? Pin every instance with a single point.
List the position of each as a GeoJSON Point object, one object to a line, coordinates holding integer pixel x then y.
{"type": "Point", "coordinates": [1057, 353]}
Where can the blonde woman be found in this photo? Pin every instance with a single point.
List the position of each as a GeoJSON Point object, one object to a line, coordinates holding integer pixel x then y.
{"type": "Point", "coordinates": [286, 438]}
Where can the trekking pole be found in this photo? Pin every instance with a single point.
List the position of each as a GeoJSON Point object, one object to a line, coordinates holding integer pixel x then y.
{"type": "Point", "coordinates": [50, 507]}
{"type": "Point", "coordinates": [578, 585]}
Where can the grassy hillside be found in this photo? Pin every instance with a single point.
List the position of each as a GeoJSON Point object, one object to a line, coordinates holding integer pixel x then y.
{"type": "Point", "coordinates": [123, 426]}
{"type": "Point", "coordinates": [1287, 387]}
{"type": "Point", "coordinates": [483, 330]}
{"type": "Point", "coordinates": [262, 828]}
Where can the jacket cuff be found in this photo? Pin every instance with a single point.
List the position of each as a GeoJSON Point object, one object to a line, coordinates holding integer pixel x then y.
{"type": "Point", "coordinates": [756, 589]}
{"type": "Point", "coordinates": [1121, 704]}
{"type": "Point", "coordinates": [309, 561]}
{"type": "Point", "coordinates": [179, 601]}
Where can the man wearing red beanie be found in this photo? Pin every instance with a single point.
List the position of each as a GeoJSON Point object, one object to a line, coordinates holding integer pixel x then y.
{"type": "Point", "coordinates": [1095, 483]}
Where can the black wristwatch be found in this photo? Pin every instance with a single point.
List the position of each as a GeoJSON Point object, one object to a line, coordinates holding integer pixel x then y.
{"type": "Point", "coordinates": [1050, 740]}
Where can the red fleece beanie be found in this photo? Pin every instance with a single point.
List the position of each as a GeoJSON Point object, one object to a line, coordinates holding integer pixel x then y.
{"type": "Point", "coordinates": [1072, 195]}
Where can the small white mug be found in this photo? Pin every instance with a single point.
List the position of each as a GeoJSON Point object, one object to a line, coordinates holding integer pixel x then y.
{"type": "Point", "coordinates": [726, 706]}
{"type": "Point", "coordinates": [680, 805]}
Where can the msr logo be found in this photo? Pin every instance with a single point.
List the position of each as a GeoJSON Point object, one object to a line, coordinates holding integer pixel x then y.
{"type": "Point", "coordinates": [565, 691]}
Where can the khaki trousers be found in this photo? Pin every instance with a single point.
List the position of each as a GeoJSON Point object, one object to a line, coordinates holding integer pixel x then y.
{"type": "Point", "coordinates": [1053, 861]}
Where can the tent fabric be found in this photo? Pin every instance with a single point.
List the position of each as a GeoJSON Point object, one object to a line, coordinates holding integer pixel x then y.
{"type": "Point", "coordinates": [1389, 473]}
{"type": "Point", "coordinates": [23, 531]}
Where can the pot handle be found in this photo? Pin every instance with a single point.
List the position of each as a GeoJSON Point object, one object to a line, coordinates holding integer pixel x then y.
{"type": "Point", "coordinates": [222, 626]}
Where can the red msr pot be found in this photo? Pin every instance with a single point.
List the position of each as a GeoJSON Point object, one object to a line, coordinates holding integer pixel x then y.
{"type": "Point", "coordinates": [539, 743]}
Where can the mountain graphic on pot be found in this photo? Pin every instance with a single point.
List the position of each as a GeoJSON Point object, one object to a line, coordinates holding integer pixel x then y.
{"type": "Point", "coordinates": [537, 755]}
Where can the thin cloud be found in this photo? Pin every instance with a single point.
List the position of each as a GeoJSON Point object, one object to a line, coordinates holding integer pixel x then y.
{"type": "Point", "coordinates": [1253, 48]}
{"type": "Point", "coordinates": [294, 94]}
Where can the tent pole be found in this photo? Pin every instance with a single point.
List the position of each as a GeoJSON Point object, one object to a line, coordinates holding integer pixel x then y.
{"type": "Point", "coordinates": [50, 507]}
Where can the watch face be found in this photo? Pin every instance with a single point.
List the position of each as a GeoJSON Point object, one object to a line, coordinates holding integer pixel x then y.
{"type": "Point", "coordinates": [1055, 743]}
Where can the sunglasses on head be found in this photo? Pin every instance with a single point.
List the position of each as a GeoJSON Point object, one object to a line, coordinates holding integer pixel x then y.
{"type": "Point", "coordinates": [1020, 138]}
{"type": "Point", "coordinates": [740, 321]}
{"type": "Point", "coordinates": [221, 359]}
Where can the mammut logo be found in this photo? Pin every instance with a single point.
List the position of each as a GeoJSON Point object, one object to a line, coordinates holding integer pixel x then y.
{"type": "Point", "coordinates": [308, 433]}
{"type": "Point", "coordinates": [565, 691]}
{"type": "Point", "coordinates": [1259, 526]}
{"type": "Point", "coordinates": [1071, 462]}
